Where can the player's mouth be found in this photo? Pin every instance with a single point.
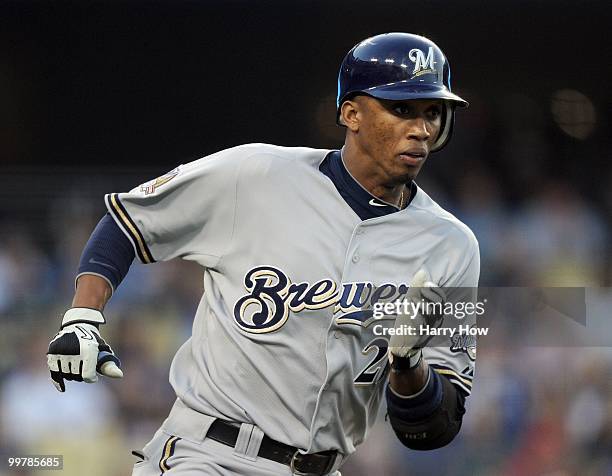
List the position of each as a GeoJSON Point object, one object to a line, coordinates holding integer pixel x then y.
{"type": "Point", "coordinates": [413, 157]}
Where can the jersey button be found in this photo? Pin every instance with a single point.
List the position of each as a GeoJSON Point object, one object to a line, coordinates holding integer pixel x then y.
{"type": "Point", "coordinates": [359, 232]}
{"type": "Point", "coordinates": [355, 258]}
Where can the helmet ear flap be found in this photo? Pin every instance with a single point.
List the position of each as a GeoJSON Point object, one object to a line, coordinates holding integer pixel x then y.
{"type": "Point", "coordinates": [446, 126]}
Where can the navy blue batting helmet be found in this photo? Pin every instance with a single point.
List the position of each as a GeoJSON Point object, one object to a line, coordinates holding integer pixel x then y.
{"type": "Point", "coordinates": [399, 66]}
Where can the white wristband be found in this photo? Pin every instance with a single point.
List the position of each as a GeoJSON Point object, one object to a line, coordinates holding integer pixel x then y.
{"type": "Point", "coordinates": [83, 314]}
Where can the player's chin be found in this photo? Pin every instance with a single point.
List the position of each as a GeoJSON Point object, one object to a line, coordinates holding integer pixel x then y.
{"type": "Point", "coordinates": [410, 168]}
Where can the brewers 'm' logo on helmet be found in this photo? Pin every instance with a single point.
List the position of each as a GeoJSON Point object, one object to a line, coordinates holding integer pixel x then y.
{"type": "Point", "coordinates": [422, 64]}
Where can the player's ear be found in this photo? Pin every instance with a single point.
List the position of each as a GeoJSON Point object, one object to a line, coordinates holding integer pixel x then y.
{"type": "Point", "coordinates": [350, 115]}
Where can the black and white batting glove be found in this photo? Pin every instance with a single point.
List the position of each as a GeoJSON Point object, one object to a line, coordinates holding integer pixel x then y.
{"type": "Point", "coordinates": [78, 352]}
{"type": "Point", "coordinates": [405, 349]}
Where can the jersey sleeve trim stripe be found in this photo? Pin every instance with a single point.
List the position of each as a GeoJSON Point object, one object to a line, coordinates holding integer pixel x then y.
{"type": "Point", "coordinates": [124, 220]}
{"type": "Point", "coordinates": [447, 371]}
{"type": "Point", "coordinates": [167, 452]}
{"type": "Point", "coordinates": [462, 382]}
{"type": "Point", "coordinates": [464, 388]}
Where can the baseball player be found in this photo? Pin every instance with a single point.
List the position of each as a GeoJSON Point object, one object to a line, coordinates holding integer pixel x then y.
{"type": "Point", "coordinates": [284, 372]}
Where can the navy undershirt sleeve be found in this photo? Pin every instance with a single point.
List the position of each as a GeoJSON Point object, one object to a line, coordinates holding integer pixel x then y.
{"type": "Point", "coordinates": [431, 419]}
{"type": "Point", "coordinates": [420, 406]}
{"type": "Point", "coordinates": [108, 252]}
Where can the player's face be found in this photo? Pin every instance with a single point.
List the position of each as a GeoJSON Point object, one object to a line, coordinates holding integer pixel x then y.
{"type": "Point", "coordinates": [398, 135]}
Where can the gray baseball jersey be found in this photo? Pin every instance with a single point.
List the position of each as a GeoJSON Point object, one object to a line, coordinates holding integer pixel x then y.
{"type": "Point", "coordinates": [280, 338]}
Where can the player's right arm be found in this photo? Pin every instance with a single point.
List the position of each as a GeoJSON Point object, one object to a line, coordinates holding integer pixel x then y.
{"type": "Point", "coordinates": [187, 213]}
{"type": "Point", "coordinates": [78, 352]}
{"type": "Point", "coordinates": [91, 291]}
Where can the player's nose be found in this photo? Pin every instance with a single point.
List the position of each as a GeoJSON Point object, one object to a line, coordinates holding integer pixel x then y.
{"type": "Point", "coordinates": [417, 129]}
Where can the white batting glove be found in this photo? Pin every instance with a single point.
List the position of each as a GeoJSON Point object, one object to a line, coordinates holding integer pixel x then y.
{"type": "Point", "coordinates": [78, 353]}
{"type": "Point", "coordinates": [421, 292]}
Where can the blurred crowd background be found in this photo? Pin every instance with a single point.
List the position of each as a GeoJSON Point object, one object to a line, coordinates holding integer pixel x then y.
{"type": "Point", "coordinates": [99, 97]}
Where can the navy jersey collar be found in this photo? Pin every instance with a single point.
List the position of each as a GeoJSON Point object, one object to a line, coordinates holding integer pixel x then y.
{"type": "Point", "coordinates": [363, 203]}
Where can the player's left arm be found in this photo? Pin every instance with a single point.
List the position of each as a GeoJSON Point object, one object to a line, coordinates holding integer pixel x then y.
{"type": "Point", "coordinates": [425, 405]}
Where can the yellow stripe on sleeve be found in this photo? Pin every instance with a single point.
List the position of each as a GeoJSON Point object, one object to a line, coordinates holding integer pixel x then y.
{"type": "Point", "coordinates": [134, 232]}
{"type": "Point", "coordinates": [455, 375]}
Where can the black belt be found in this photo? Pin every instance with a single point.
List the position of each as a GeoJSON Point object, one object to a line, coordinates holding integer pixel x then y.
{"type": "Point", "coordinates": [310, 464]}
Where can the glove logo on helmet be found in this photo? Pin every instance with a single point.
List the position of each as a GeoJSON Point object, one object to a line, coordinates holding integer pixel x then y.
{"type": "Point", "coordinates": [422, 64]}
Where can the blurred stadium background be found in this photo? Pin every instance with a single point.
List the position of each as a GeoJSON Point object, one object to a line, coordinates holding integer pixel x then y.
{"type": "Point", "coordinates": [100, 96]}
